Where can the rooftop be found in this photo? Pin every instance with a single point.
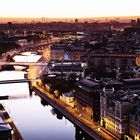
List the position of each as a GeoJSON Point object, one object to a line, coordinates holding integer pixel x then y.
{"type": "Point", "coordinates": [88, 84]}
{"type": "Point", "coordinates": [67, 68]}
{"type": "Point", "coordinates": [131, 81]}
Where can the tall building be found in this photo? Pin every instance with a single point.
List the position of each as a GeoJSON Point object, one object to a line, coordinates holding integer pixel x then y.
{"type": "Point", "coordinates": [115, 108]}
{"type": "Point", "coordinates": [138, 20]}
{"type": "Point", "coordinates": [87, 98]}
{"type": "Point", "coordinates": [134, 123]}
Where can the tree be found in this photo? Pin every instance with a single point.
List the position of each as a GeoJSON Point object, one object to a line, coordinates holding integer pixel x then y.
{"type": "Point", "coordinates": [72, 80]}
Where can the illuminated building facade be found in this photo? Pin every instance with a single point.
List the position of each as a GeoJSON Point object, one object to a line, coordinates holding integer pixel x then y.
{"type": "Point", "coordinates": [134, 123]}
{"type": "Point", "coordinates": [115, 108]}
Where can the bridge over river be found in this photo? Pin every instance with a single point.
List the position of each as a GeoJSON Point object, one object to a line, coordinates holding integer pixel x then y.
{"type": "Point", "coordinates": [24, 63]}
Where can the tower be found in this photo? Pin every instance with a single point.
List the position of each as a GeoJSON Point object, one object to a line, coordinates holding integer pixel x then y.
{"type": "Point", "coordinates": [108, 90]}
{"type": "Point", "coordinates": [76, 20]}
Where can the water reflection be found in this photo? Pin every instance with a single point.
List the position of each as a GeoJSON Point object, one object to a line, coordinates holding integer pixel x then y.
{"type": "Point", "coordinates": [81, 135]}
{"type": "Point", "coordinates": [34, 120]}
{"type": "Point", "coordinates": [34, 117]}
{"type": "Point", "coordinates": [16, 90]}
{"type": "Point", "coordinates": [54, 111]}
{"type": "Point", "coordinates": [44, 103]}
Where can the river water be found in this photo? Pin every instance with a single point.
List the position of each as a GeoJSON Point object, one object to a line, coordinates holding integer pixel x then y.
{"type": "Point", "coordinates": [34, 120]}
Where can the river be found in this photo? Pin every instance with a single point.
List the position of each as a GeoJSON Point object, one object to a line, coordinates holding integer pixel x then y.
{"type": "Point", "coordinates": [34, 120]}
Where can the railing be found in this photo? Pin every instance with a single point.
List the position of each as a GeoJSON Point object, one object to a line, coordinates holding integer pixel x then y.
{"type": "Point", "coordinates": [24, 63]}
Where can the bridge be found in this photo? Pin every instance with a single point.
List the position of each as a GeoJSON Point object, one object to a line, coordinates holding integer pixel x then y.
{"type": "Point", "coordinates": [16, 81]}
{"type": "Point", "coordinates": [25, 63]}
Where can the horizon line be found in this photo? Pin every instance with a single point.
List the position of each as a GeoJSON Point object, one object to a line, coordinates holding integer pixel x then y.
{"type": "Point", "coordinates": [135, 16]}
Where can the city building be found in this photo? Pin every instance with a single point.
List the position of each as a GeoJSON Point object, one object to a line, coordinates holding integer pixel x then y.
{"type": "Point", "coordinates": [87, 98]}
{"type": "Point", "coordinates": [115, 107]}
{"type": "Point", "coordinates": [133, 83]}
{"type": "Point", "coordinates": [134, 122]}
{"type": "Point", "coordinates": [68, 62]}
{"type": "Point", "coordinates": [52, 82]}
{"type": "Point", "coordinates": [68, 98]}
{"type": "Point", "coordinates": [111, 59]}
{"type": "Point", "coordinates": [67, 68]}
{"type": "Point", "coordinates": [57, 53]}
{"type": "Point", "coordinates": [76, 54]}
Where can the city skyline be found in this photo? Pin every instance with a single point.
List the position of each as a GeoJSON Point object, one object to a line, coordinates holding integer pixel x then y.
{"type": "Point", "coordinates": [78, 74]}
{"type": "Point", "coordinates": [69, 9]}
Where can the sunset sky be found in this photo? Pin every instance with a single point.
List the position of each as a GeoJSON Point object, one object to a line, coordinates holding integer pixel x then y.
{"type": "Point", "coordinates": [69, 8]}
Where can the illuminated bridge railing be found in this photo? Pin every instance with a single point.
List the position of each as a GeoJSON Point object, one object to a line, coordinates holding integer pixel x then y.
{"type": "Point", "coordinates": [24, 63]}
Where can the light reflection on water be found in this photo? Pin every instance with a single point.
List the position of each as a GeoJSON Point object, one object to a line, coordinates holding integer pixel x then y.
{"type": "Point", "coordinates": [35, 121]}
{"type": "Point", "coordinates": [27, 57]}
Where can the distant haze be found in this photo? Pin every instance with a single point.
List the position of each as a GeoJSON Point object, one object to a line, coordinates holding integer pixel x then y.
{"type": "Point", "coordinates": [69, 8]}
{"type": "Point", "coordinates": [44, 20]}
